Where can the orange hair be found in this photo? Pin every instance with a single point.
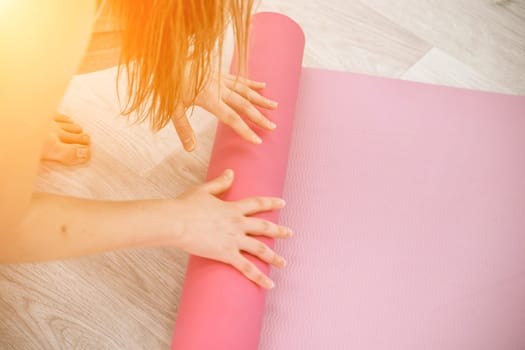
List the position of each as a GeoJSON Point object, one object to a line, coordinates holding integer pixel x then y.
{"type": "Point", "coordinates": [171, 47]}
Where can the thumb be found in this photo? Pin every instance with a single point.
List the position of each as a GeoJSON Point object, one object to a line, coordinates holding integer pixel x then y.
{"type": "Point", "coordinates": [220, 184]}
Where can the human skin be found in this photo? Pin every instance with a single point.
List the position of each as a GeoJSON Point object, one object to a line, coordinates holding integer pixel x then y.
{"type": "Point", "coordinates": [41, 49]}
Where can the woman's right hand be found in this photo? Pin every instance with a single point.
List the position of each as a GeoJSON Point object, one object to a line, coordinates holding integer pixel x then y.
{"type": "Point", "coordinates": [221, 230]}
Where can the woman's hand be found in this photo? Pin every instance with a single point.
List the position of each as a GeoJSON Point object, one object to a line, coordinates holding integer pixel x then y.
{"type": "Point", "coordinates": [220, 230]}
{"type": "Point", "coordinates": [236, 95]}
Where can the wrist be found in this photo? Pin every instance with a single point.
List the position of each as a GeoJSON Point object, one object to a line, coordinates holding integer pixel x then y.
{"type": "Point", "coordinates": [166, 223]}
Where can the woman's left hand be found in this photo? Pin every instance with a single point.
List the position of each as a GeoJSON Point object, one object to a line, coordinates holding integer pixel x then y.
{"type": "Point", "coordinates": [236, 96]}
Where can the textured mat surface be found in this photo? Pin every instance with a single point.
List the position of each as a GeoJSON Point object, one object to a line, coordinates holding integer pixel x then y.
{"type": "Point", "coordinates": [416, 240]}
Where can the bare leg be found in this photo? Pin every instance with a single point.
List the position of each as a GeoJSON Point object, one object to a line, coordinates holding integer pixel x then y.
{"type": "Point", "coordinates": [66, 143]}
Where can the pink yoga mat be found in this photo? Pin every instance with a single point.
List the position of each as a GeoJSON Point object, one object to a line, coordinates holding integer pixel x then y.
{"type": "Point", "coordinates": [408, 205]}
{"type": "Point", "coordinates": [220, 308]}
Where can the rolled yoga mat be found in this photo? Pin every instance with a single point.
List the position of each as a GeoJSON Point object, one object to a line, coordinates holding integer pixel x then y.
{"type": "Point", "coordinates": [408, 205]}
{"type": "Point", "coordinates": [219, 307]}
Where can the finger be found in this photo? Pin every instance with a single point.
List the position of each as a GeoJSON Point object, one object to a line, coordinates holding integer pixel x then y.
{"type": "Point", "coordinates": [253, 205]}
{"type": "Point", "coordinates": [229, 117]}
{"type": "Point", "coordinates": [63, 118]}
{"type": "Point", "coordinates": [69, 137]}
{"type": "Point", "coordinates": [248, 269]}
{"type": "Point", "coordinates": [258, 85]}
{"type": "Point", "coordinates": [244, 106]}
{"type": "Point", "coordinates": [252, 96]}
{"type": "Point", "coordinates": [220, 184]}
{"type": "Point", "coordinates": [70, 127]}
{"type": "Point", "coordinates": [184, 129]}
{"type": "Point", "coordinates": [266, 228]}
{"type": "Point", "coordinates": [262, 251]}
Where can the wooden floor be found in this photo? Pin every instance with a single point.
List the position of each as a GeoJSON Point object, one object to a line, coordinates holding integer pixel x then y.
{"type": "Point", "coordinates": [128, 300]}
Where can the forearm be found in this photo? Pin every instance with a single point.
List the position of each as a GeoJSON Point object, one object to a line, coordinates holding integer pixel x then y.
{"type": "Point", "coordinates": [58, 227]}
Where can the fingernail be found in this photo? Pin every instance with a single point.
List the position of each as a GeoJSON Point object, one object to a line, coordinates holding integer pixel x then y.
{"type": "Point", "coordinates": [82, 152]}
{"type": "Point", "coordinates": [269, 283]}
{"type": "Point", "coordinates": [282, 262]}
{"type": "Point", "coordinates": [274, 104]}
{"type": "Point", "coordinates": [282, 202]}
{"type": "Point", "coordinates": [228, 173]}
{"type": "Point", "coordinates": [189, 145]}
{"type": "Point", "coordinates": [286, 231]}
{"type": "Point", "coordinates": [85, 138]}
{"type": "Point", "coordinates": [272, 125]}
{"type": "Point", "coordinates": [256, 139]}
